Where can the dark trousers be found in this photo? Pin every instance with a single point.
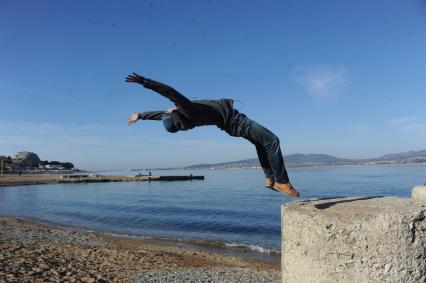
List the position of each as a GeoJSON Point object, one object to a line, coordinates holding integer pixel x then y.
{"type": "Point", "coordinates": [267, 146]}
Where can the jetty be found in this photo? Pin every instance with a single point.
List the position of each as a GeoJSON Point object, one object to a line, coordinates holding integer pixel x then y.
{"type": "Point", "coordinates": [142, 178]}
{"type": "Point", "coordinates": [38, 179]}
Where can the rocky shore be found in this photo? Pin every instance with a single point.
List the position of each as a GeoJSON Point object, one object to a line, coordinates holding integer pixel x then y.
{"type": "Point", "coordinates": [32, 252]}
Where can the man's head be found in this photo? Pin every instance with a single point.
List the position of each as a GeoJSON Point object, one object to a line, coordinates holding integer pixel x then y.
{"type": "Point", "coordinates": [168, 123]}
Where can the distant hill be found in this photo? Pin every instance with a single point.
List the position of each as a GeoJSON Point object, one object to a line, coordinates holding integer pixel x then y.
{"type": "Point", "coordinates": [316, 158]}
{"type": "Point", "coordinates": [296, 160]}
{"type": "Point", "coordinates": [407, 154]}
{"type": "Point", "coordinates": [291, 160]}
{"type": "Point", "coordinates": [247, 162]}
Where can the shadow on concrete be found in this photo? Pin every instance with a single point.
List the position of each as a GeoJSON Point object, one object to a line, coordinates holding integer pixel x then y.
{"type": "Point", "coordinates": [328, 204]}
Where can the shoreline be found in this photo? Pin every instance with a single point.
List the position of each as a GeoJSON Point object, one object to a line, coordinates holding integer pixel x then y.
{"type": "Point", "coordinates": [248, 251]}
{"type": "Point", "coordinates": [12, 180]}
{"type": "Point", "coordinates": [37, 251]}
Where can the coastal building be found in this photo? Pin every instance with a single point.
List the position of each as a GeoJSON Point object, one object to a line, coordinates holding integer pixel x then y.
{"type": "Point", "coordinates": [53, 167]}
{"type": "Point", "coordinates": [25, 159]}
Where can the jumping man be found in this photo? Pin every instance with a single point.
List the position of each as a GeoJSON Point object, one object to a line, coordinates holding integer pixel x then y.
{"type": "Point", "coordinates": [188, 114]}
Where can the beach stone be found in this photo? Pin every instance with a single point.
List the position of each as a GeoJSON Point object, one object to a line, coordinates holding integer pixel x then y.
{"type": "Point", "coordinates": [354, 239]}
{"type": "Point", "coordinates": [88, 280]}
{"type": "Point", "coordinates": [419, 193]}
{"type": "Point", "coordinates": [214, 275]}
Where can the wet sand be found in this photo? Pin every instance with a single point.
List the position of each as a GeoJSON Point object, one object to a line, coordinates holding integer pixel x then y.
{"type": "Point", "coordinates": [32, 252]}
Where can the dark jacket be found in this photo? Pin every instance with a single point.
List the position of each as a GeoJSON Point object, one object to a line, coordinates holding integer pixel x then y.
{"type": "Point", "coordinates": [190, 114]}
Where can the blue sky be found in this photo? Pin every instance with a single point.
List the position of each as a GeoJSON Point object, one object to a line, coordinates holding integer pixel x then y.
{"type": "Point", "coordinates": [345, 78]}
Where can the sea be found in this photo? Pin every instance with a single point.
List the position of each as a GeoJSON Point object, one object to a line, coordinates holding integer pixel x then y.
{"type": "Point", "coordinates": [230, 208]}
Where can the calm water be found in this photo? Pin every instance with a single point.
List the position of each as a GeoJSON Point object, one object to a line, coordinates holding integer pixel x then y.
{"type": "Point", "coordinates": [229, 206]}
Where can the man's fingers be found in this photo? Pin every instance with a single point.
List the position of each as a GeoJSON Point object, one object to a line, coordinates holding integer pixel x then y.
{"type": "Point", "coordinates": [131, 78]}
{"type": "Point", "coordinates": [131, 121]}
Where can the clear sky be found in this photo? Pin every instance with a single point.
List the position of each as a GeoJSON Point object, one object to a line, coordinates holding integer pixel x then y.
{"type": "Point", "coordinates": [346, 78]}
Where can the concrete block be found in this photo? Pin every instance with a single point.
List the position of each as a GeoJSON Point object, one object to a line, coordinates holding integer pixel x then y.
{"type": "Point", "coordinates": [357, 239]}
{"type": "Point", "coordinates": [419, 193]}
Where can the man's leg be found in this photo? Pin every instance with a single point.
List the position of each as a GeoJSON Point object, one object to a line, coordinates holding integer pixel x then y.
{"type": "Point", "coordinates": [264, 162]}
{"type": "Point", "coordinates": [269, 145]}
{"type": "Point", "coordinates": [263, 138]}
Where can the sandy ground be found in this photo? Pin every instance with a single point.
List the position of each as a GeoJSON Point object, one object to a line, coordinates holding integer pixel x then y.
{"type": "Point", "coordinates": [28, 179]}
{"type": "Point", "coordinates": [31, 252]}
{"type": "Point", "coordinates": [33, 179]}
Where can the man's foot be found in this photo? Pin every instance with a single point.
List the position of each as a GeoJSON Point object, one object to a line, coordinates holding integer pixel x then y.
{"type": "Point", "coordinates": [286, 189]}
{"type": "Point", "coordinates": [270, 182]}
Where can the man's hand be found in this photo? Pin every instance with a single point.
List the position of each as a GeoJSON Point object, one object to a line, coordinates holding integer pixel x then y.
{"type": "Point", "coordinates": [135, 78]}
{"type": "Point", "coordinates": [133, 118]}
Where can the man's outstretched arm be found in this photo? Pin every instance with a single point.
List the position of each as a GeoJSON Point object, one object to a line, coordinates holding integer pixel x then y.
{"type": "Point", "coordinates": [173, 95]}
{"type": "Point", "coordinates": [149, 115]}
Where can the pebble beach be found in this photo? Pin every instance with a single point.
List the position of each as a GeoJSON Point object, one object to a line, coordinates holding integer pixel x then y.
{"type": "Point", "coordinates": [33, 252]}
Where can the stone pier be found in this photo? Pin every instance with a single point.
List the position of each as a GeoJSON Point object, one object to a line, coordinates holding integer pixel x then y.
{"type": "Point", "coordinates": [355, 239]}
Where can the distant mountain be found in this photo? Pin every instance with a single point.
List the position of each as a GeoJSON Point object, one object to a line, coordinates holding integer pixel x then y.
{"type": "Point", "coordinates": [296, 160]}
{"type": "Point", "coordinates": [247, 162]}
{"type": "Point", "coordinates": [291, 160]}
{"type": "Point", "coordinates": [316, 158]}
{"type": "Point", "coordinates": [407, 154]}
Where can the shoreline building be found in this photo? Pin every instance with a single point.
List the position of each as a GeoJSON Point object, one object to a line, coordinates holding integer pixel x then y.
{"type": "Point", "coordinates": [25, 159]}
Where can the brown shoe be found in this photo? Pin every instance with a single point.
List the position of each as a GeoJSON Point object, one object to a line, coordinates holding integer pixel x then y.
{"type": "Point", "coordinates": [286, 189]}
{"type": "Point", "coordinates": [270, 182]}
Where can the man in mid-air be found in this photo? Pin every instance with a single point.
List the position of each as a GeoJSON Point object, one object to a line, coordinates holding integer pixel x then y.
{"type": "Point", "coordinates": [188, 114]}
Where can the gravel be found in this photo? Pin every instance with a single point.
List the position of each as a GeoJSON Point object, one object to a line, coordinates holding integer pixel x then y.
{"type": "Point", "coordinates": [38, 253]}
{"type": "Point", "coordinates": [12, 232]}
{"type": "Point", "coordinates": [219, 275]}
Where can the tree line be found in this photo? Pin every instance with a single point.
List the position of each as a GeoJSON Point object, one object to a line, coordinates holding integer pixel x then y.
{"type": "Point", "coordinates": [66, 165]}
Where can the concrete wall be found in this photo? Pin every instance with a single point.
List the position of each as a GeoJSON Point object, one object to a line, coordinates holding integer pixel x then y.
{"type": "Point", "coordinates": [419, 193]}
{"type": "Point", "coordinates": [370, 239]}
